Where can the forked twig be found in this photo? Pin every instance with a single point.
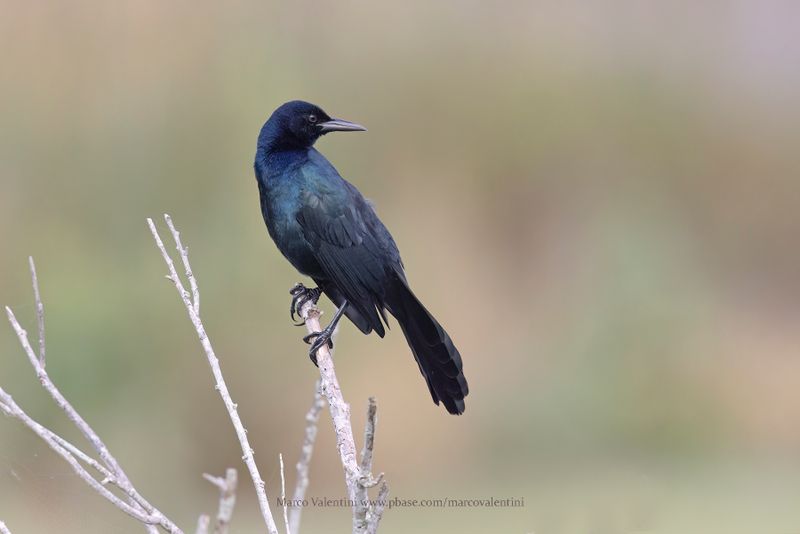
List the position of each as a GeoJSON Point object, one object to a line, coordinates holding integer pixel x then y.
{"type": "Point", "coordinates": [304, 463]}
{"type": "Point", "coordinates": [137, 506]}
{"type": "Point", "coordinates": [357, 477]}
{"type": "Point", "coordinates": [192, 308]}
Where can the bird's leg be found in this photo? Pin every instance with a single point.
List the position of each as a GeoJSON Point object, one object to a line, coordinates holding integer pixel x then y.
{"type": "Point", "coordinates": [300, 295]}
{"type": "Point", "coordinates": [324, 337]}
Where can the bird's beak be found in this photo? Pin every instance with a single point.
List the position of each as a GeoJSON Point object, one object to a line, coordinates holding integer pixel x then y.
{"type": "Point", "coordinates": [339, 125]}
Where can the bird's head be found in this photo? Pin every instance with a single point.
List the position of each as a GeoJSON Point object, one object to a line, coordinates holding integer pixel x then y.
{"type": "Point", "coordinates": [299, 124]}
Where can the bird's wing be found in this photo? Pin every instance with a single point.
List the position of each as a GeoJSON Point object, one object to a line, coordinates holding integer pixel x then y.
{"type": "Point", "coordinates": [352, 246]}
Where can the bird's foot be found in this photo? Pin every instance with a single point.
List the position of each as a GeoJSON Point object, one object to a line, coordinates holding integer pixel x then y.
{"type": "Point", "coordinates": [318, 339]}
{"type": "Point", "coordinates": [300, 295]}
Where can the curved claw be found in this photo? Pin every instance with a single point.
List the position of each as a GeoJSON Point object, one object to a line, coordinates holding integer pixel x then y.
{"type": "Point", "coordinates": [300, 295]}
{"type": "Point", "coordinates": [324, 337]}
{"type": "Point", "coordinates": [293, 313]}
{"type": "Point", "coordinates": [319, 339]}
{"type": "Point", "coordinates": [297, 304]}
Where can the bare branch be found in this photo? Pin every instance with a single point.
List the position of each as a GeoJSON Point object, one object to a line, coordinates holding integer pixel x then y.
{"type": "Point", "coordinates": [39, 309]}
{"type": "Point", "coordinates": [138, 502]}
{"type": "Point", "coordinates": [213, 361]}
{"type": "Point", "coordinates": [283, 496]}
{"type": "Point", "coordinates": [376, 513]}
{"type": "Point", "coordinates": [363, 507]}
{"type": "Point", "coordinates": [303, 465]}
{"type": "Point", "coordinates": [184, 254]}
{"type": "Point", "coordinates": [227, 498]}
{"type": "Point", "coordinates": [356, 478]}
{"type": "Point", "coordinates": [369, 437]}
{"type": "Point", "coordinates": [10, 408]}
{"type": "Point", "coordinates": [339, 409]}
{"type": "Point", "coordinates": [108, 476]}
{"type": "Point", "coordinates": [203, 523]}
{"type": "Point", "coordinates": [219, 482]}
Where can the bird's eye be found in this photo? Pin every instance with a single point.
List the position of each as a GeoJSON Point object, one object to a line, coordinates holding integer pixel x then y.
{"type": "Point", "coordinates": [312, 119]}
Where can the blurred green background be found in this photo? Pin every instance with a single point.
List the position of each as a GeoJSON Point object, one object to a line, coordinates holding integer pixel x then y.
{"type": "Point", "coordinates": [598, 200]}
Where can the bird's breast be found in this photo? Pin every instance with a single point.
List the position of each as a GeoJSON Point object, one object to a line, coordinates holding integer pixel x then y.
{"type": "Point", "coordinates": [280, 206]}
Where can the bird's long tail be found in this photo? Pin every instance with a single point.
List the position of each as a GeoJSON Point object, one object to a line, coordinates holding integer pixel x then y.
{"type": "Point", "coordinates": [437, 357]}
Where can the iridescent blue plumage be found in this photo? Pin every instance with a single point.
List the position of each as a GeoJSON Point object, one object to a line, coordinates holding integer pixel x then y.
{"type": "Point", "coordinates": [327, 230]}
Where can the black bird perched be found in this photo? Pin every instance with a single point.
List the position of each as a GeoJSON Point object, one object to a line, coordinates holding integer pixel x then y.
{"type": "Point", "coordinates": [330, 232]}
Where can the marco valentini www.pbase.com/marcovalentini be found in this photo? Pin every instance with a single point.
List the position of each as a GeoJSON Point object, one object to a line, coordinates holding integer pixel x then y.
{"type": "Point", "coordinates": [397, 502]}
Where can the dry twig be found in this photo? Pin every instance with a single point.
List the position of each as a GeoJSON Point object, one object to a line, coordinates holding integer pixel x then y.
{"type": "Point", "coordinates": [356, 479]}
{"type": "Point", "coordinates": [137, 506]}
{"type": "Point", "coordinates": [227, 498]}
{"type": "Point", "coordinates": [39, 309]}
{"type": "Point", "coordinates": [203, 522]}
{"type": "Point", "coordinates": [283, 496]}
{"type": "Point", "coordinates": [303, 464]}
{"type": "Point", "coordinates": [366, 512]}
{"type": "Point", "coordinates": [376, 514]}
{"type": "Point", "coordinates": [10, 408]}
{"type": "Point", "coordinates": [192, 304]}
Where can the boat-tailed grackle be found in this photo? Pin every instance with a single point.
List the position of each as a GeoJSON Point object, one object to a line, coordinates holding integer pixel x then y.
{"type": "Point", "coordinates": [330, 232]}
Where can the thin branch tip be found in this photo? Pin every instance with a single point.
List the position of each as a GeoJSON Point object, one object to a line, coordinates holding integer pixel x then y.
{"type": "Point", "coordinates": [39, 309]}
{"type": "Point", "coordinates": [227, 499]}
{"type": "Point", "coordinates": [203, 522]}
{"type": "Point", "coordinates": [191, 302]}
{"type": "Point", "coordinates": [283, 496]}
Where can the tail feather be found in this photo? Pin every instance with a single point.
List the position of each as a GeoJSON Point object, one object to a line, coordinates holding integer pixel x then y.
{"type": "Point", "coordinates": [438, 359]}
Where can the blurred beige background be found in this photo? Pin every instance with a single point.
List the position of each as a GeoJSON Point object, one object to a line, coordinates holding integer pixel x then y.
{"type": "Point", "coordinates": [598, 200]}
